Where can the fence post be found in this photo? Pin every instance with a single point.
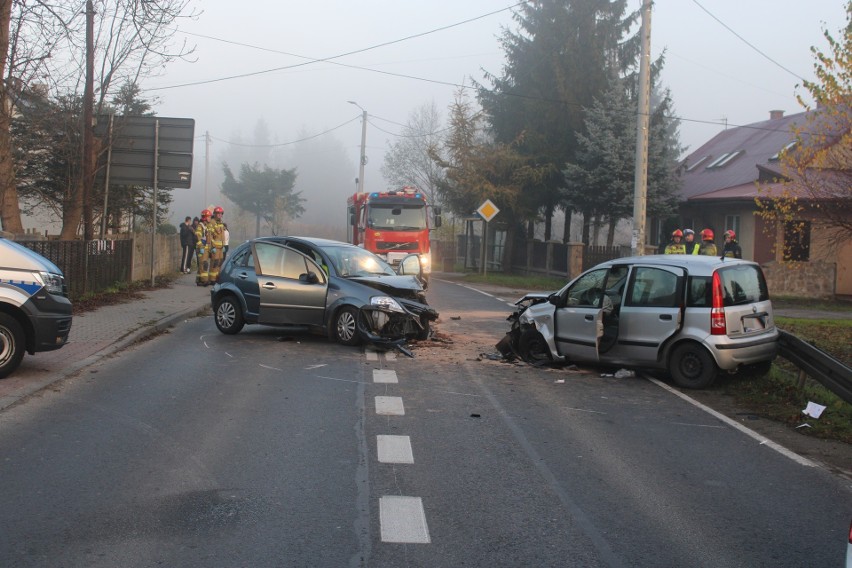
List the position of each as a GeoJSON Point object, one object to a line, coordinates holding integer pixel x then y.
{"type": "Point", "coordinates": [575, 260]}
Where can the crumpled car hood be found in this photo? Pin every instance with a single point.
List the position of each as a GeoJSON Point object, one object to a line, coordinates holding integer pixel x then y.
{"type": "Point", "coordinates": [404, 286]}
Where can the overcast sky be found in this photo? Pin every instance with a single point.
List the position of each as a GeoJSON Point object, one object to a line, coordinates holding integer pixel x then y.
{"type": "Point", "coordinates": [714, 76]}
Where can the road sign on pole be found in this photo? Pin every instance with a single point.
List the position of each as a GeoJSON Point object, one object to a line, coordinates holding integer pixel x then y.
{"type": "Point", "coordinates": [487, 211]}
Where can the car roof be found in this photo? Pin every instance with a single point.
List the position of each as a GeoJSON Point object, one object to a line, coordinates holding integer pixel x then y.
{"type": "Point", "coordinates": [316, 241]}
{"type": "Point", "coordinates": [693, 263]}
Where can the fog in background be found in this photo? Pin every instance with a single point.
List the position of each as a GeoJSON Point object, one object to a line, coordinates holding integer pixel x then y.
{"type": "Point", "coordinates": [253, 114]}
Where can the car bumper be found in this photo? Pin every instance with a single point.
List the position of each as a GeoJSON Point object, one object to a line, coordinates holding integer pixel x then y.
{"type": "Point", "coordinates": [731, 354]}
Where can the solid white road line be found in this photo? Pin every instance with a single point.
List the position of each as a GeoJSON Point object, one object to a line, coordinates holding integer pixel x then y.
{"type": "Point", "coordinates": [390, 406]}
{"type": "Point", "coordinates": [384, 376]}
{"type": "Point", "coordinates": [734, 424]}
{"type": "Point", "coordinates": [394, 449]}
{"type": "Point", "coordinates": [403, 520]}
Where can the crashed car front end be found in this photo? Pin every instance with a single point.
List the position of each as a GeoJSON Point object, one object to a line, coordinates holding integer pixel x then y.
{"type": "Point", "coordinates": [388, 322]}
{"type": "Point", "coordinates": [532, 335]}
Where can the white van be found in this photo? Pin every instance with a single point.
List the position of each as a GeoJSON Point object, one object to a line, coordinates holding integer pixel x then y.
{"type": "Point", "coordinates": [35, 312]}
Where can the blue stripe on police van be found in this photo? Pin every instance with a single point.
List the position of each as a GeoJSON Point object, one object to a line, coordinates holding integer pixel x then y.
{"type": "Point", "coordinates": [29, 287]}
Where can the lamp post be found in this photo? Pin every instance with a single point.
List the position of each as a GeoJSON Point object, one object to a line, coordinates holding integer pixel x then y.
{"type": "Point", "coordinates": [363, 146]}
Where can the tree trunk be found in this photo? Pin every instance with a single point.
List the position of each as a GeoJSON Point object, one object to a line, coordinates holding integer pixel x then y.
{"type": "Point", "coordinates": [597, 229]}
{"type": "Point", "coordinates": [566, 228]}
{"type": "Point", "coordinates": [587, 219]}
{"type": "Point", "coordinates": [548, 222]}
{"type": "Point", "coordinates": [610, 236]}
{"type": "Point", "coordinates": [530, 230]}
{"type": "Point", "coordinates": [10, 211]}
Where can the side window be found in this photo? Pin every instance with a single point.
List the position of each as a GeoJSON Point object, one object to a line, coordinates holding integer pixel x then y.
{"type": "Point", "coordinates": [269, 258]}
{"type": "Point", "coordinates": [699, 292]}
{"type": "Point", "coordinates": [652, 287]}
{"type": "Point", "coordinates": [587, 291]}
{"type": "Point", "coordinates": [244, 258]}
{"type": "Point", "coordinates": [293, 265]}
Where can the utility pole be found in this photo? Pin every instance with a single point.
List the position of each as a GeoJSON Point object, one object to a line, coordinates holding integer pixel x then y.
{"type": "Point", "coordinates": [643, 119]}
{"type": "Point", "coordinates": [206, 165]}
{"type": "Point", "coordinates": [363, 146]}
{"type": "Point", "coordinates": [88, 165]}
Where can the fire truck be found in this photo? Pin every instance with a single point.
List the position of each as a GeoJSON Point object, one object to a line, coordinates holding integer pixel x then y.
{"type": "Point", "coordinates": [394, 224]}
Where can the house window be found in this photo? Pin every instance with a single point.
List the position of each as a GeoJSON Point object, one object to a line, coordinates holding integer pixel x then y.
{"type": "Point", "coordinates": [725, 159]}
{"type": "Point", "coordinates": [777, 156]}
{"type": "Point", "coordinates": [698, 163]}
{"type": "Point", "coordinates": [732, 222]}
{"type": "Point", "coordinates": [797, 241]}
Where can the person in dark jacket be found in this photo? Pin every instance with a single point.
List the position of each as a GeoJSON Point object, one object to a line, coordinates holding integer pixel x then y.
{"type": "Point", "coordinates": [187, 243]}
{"type": "Point", "coordinates": [732, 247]}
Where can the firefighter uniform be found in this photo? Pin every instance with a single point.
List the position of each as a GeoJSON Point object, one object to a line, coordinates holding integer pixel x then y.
{"type": "Point", "coordinates": [202, 247]}
{"type": "Point", "coordinates": [676, 246]}
{"type": "Point", "coordinates": [216, 239]}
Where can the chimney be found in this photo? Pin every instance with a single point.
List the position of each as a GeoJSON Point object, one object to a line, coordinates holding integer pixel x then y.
{"type": "Point", "coordinates": [776, 114]}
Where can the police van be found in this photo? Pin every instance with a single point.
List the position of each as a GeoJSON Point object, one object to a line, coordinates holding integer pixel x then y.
{"type": "Point", "coordinates": [35, 312]}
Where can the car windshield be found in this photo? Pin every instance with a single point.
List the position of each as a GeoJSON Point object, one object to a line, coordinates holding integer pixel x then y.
{"type": "Point", "coordinates": [353, 261]}
{"type": "Point", "coordinates": [389, 217]}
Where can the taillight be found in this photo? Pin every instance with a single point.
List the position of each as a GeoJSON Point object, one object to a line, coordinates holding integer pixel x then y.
{"type": "Point", "coordinates": [718, 326]}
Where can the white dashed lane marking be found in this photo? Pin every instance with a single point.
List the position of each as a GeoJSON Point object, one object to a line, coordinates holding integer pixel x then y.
{"type": "Point", "coordinates": [384, 376]}
{"type": "Point", "coordinates": [371, 355]}
{"type": "Point", "coordinates": [389, 406]}
{"type": "Point", "coordinates": [394, 449]}
{"type": "Point", "coordinates": [403, 520]}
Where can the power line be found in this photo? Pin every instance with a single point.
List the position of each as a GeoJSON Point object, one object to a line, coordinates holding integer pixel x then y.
{"type": "Point", "coordinates": [351, 120]}
{"type": "Point", "coordinates": [311, 60]}
{"type": "Point", "coordinates": [745, 41]}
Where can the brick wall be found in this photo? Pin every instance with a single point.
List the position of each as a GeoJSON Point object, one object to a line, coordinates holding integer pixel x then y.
{"type": "Point", "coordinates": [802, 279]}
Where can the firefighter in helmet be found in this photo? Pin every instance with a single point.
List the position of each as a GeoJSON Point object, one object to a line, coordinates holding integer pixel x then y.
{"type": "Point", "coordinates": [202, 248]}
{"type": "Point", "coordinates": [216, 234]}
{"type": "Point", "coordinates": [708, 247]}
{"type": "Point", "coordinates": [676, 246]}
{"type": "Point", "coordinates": [732, 248]}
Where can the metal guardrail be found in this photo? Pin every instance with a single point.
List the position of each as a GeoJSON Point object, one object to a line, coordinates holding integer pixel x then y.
{"type": "Point", "coordinates": [821, 366]}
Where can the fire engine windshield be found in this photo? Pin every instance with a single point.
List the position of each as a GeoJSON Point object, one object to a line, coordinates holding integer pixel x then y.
{"type": "Point", "coordinates": [397, 217]}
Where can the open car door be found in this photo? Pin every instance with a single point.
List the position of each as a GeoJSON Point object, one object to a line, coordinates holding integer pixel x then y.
{"type": "Point", "coordinates": [410, 264]}
{"type": "Point", "coordinates": [292, 286]}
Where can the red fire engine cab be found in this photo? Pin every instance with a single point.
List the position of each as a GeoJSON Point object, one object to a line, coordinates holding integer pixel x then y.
{"type": "Point", "coordinates": [394, 224]}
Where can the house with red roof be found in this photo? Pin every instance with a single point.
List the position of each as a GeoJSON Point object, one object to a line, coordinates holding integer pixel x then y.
{"type": "Point", "coordinates": [721, 180]}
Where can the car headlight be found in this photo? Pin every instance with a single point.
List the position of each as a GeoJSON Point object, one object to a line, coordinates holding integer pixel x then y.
{"type": "Point", "coordinates": [425, 262]}
{"type": "Point", "coordinates": [53, 283]}
{"type": "Point", "coordinates": [386, 302]}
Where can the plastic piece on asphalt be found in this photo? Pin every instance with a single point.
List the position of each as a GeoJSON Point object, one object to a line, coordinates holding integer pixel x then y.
{"type": "Point", "coordinates": [624, 374]}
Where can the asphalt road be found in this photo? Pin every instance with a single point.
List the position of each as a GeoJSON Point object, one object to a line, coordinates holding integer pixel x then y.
{"type": "Point", "coordinates": [268, 449]}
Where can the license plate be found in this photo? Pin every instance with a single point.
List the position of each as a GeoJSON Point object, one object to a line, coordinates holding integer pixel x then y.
{"type": "Point", "coordinates": [754, 323]}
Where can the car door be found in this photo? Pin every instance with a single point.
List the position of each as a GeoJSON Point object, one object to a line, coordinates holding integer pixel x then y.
{"type": "Point", "coordinates": [577, 316]}
{"type": "Point", "coordinates": [649, 315]}
{"type": "Point", "coordinates": [243, 276]}
{"type": "Point", "coordinates": [293, 287]}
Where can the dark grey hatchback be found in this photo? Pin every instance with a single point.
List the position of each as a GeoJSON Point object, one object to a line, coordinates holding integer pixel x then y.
{"type": "Point", "coordinates": [322, 286]}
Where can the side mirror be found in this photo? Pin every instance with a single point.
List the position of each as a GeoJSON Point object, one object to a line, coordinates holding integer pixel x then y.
{"type": "Point", "coordinates": [309, 278]}
{"type": "Point", "coordinates": [352, 219]}
{"type": "Point", "coordinates": [436, 211]}
{"type": "Point", "coordinates": [555, 299]}
{"type": "Point", "coordinates": [437, 221]}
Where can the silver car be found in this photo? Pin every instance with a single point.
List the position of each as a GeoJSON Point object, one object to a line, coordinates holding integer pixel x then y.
{"type": "Point", "coordinates": [689, 315]}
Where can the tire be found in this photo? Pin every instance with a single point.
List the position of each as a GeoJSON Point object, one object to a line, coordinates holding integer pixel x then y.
{"type": "Point", "coordinates": [12, 344]}
{"type": "Point", "coordinates": [692, 367]}
{"type": "Point", "coordinates": [229, 316]}
{"type": "Point", "coordinates": [533, 348]}
{"type": "Point", "coordinates": [344, 326]}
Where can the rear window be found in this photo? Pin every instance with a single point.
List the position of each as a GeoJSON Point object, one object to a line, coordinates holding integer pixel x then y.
{"type": "Point", "coordinates": [742, 284]}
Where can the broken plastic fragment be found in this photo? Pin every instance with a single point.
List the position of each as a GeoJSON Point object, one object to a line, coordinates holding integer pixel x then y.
{"type": "Point", "coordinates": [624, 374]}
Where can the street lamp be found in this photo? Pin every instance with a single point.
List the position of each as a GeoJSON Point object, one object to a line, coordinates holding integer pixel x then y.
{"type": "Point", "coordinates": [363, 146]}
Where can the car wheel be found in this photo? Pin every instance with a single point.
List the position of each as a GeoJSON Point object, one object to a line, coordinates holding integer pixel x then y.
{"type": "Point", "coordinates": [345, 326]}
{"type": "Point", "coordinates": [533, 348]}
{"type": "Point", "coordinates": [229, 316]}
{"type": "Point", "coordinates": [692, 367]}
{"type": "Point", "coordinates": [12, 344]}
